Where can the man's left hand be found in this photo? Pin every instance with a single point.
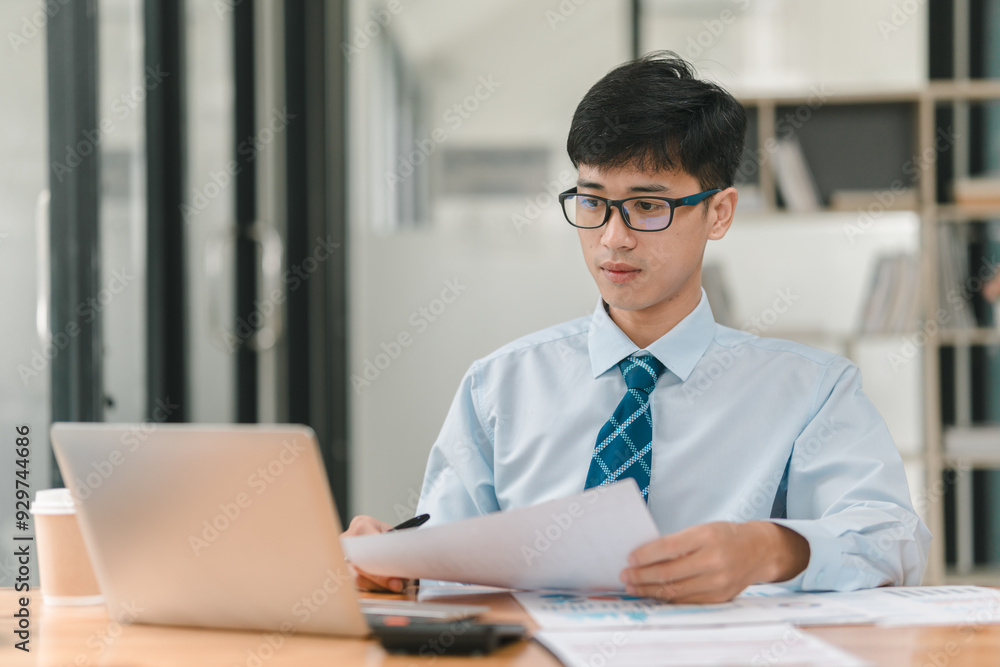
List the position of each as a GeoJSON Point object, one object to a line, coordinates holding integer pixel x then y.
{"type": "Point", "coordinates": [714, 562]}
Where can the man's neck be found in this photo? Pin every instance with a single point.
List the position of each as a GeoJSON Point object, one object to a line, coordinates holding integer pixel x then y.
{"type": "Point", "coordinates": [643, 327]}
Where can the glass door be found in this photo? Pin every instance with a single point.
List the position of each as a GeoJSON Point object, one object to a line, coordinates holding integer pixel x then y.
{"type": "Point", "coordinates": [172, 234]}
{"type": "Point", "coordinates": [26, 353]}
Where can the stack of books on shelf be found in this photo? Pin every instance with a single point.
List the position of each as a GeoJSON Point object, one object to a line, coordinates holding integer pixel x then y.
{"type": "Point", "coordinates": [795, 181]}
{"type": "Point", "coordinates": [953, 276]}
{"type": "Point", "coordinates": [893, 304]}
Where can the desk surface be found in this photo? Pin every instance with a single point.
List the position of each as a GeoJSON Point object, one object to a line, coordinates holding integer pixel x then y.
{"type": "Point", "coordinates": [84, 636]}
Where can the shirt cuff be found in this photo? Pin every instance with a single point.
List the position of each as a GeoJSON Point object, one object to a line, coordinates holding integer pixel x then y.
{"type": "Point", "coordinates": [821, 573]}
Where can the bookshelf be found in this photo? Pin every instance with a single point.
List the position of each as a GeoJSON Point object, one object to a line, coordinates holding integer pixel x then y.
{"type": "Point", "coordinates": [897, 134]}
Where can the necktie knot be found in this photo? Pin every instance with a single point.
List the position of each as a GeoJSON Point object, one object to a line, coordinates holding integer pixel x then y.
{"type": "Point", "coordinates": [641, 371]}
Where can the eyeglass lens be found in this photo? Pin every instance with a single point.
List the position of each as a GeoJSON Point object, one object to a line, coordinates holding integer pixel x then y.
{"type": "Point", "coordinates": [646, 214]}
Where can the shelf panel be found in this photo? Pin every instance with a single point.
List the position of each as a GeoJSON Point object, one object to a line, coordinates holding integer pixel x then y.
{"type": "Point", "coordinates": [975, 446]}
{"type": "Point", "coordinates": [977, 89]}
{"type": "Point", "coordinates": [976, 460]}
{"type": "Point", "coordinates": [981, 575]}
{"type": "Point", "coordinates": [953, 213]}
{"type": "Point", "coordinates": [824, 95]}
{"type": "Point", "coordinates": [980, 336]}
{"type": "Point", "coordinates": [766, 215]}
{"type": "Point", "coordinates": [936, 91]}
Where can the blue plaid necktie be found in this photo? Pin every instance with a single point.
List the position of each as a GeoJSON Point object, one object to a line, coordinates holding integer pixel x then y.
{"type": "Point", "coordinates": [625, 444]}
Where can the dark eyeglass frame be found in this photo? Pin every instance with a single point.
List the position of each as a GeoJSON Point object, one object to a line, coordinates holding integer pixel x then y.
{"type": "Point", "coordinates": [690, 200]}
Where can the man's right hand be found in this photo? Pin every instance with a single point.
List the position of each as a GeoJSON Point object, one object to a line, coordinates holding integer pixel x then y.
{"type": "Point", "coordinates": [366, 525]}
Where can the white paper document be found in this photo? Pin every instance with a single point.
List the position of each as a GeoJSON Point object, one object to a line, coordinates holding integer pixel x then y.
{"type": "Point", "coordinates": [592, 610]}
{"type": "Point", "coordinates": [967, 606]}
{"type": "Point", "coordinates": [758, 645]}
{"type": "Point", "coordinates": [580, 542]}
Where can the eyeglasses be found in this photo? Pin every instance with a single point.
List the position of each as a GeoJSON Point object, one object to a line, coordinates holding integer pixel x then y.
{"type": "Point", "coordinates": [643, 214]}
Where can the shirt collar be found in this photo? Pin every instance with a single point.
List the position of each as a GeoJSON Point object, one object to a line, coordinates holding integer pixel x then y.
{"type": "Point", "coordinates": [679, 349]}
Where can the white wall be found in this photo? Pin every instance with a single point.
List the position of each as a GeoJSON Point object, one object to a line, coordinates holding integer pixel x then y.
{"type": "Point", "coordinates": [773, 46]}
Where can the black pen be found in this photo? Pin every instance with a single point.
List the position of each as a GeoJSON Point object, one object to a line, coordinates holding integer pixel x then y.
{"type": "Point", "coordinates": [418, 520]}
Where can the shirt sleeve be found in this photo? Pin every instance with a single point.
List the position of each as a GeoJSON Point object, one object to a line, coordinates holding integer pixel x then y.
{"type": "Point", "coordinates": [458, 482]}
{"type": "Point", "coordinates": [848, 496]}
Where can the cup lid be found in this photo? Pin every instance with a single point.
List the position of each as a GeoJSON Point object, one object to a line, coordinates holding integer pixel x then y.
{"type": "Point", "coordinates": [53, 501]}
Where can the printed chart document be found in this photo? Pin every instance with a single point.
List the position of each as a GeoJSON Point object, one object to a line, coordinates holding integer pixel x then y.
{"type": "Point", "coordinates": [966, 606]}
{"type": "Point", "coordinates": [593, 610]}
{"type": "Point", "coordinates": [742, 645]}
{"type": "Point", "coordinates": [580, 542]}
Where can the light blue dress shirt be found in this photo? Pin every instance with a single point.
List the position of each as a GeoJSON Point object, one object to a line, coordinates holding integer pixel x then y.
{"type": "Point", "coordinates": [743, 428]}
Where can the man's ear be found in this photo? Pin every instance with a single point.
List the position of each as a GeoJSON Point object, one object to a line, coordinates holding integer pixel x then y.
{"type": "Point", "coordinates": [722, 208]}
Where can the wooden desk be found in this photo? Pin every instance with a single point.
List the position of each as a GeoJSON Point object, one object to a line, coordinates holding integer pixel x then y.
{"type": "Point", "coordinates": [84, 637]}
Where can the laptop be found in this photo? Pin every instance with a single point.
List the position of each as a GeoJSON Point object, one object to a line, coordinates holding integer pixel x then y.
{"type": "Point", "coordinates": [217, 526]}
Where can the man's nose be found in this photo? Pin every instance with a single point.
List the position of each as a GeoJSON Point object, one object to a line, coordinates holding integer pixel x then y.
{"type": "Point", "coordinates": [616, 233]}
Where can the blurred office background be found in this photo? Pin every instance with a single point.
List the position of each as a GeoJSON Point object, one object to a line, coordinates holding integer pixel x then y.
{"type": "Point", "coordinates": [324, 211]}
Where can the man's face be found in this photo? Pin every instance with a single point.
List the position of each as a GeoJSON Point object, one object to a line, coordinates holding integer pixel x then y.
{"type": "Point", "coordinates": [647, 271]}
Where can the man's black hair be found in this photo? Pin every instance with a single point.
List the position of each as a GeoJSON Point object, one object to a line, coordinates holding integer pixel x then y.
{"type": "Point", "coordinates": [653, 114]}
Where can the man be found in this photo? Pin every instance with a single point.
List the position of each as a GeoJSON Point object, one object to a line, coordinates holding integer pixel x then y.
{"type": "Point", "coordinates": [761, 460]}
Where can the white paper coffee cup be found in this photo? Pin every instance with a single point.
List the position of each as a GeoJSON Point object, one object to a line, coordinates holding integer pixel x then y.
{"type": "Point", "coordinates": [64, 567]}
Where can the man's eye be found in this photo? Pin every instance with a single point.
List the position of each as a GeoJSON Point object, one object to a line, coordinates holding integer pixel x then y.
{"type": "Point", "coordinates": [589, 202]}
{"type": "Point", "coordinates": [649, 205]}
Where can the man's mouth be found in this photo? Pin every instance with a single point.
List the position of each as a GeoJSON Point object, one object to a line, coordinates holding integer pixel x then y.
{"type": "Point", "coordinates": [618, 272]}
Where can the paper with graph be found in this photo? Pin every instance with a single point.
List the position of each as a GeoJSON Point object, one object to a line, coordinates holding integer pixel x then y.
{"type": "Point", "coordinates": [592, 610]}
